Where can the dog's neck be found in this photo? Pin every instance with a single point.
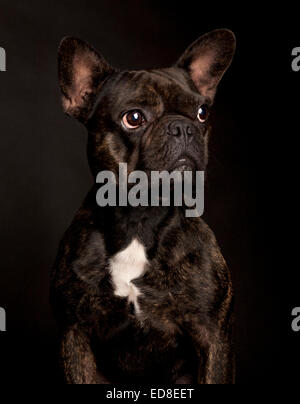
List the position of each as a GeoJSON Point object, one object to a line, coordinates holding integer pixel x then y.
{"type": "Point", "coordinates": [120, 225]}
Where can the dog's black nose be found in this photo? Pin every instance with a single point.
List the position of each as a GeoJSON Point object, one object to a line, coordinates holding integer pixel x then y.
{"type": "Point", "coordinates": [180, 128]}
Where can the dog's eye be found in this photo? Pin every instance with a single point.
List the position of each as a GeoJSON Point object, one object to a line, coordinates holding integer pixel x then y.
{"type": "Point", "coordinates": [133, 119]}
{"type": "Point", "coordinates": [202, 113]}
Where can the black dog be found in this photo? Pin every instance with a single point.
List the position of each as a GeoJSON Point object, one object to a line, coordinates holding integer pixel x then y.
{"type": "Point", "coordinates": [143, 294]}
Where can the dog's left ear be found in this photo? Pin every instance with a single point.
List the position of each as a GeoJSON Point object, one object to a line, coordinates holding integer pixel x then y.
{"type": "Point", "coordinates": [207, 59]}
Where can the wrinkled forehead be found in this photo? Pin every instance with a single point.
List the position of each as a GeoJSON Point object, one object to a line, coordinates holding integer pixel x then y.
{"type": "Point", "coordinates": [167, 89]}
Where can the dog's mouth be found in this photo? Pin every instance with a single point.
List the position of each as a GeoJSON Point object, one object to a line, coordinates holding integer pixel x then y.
{"type": "Point", "coordinates": [184, 163]}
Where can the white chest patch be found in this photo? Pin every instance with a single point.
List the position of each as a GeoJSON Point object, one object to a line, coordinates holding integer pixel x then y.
{"type": "Point", "coordinates": [125, 266]}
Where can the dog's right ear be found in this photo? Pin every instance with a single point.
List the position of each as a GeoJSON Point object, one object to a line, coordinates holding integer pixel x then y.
{"type": "Point", "coordinates": [81, 72]}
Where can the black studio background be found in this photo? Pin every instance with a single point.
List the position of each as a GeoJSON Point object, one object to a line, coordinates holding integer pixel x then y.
{"type": "Point", "coordinates": [44, 173]}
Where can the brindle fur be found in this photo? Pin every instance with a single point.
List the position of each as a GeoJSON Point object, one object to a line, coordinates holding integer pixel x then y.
{"type": "Point", "coordinates": [183, 333]}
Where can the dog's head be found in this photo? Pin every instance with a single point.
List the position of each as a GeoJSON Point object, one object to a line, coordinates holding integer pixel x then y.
{"type": "Point", "coordinates": [149, 119]}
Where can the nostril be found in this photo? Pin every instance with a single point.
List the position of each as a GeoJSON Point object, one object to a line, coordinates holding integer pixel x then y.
{"type": "Point", "coordinates": [189, 130]}
{"type": "Point", "coordinates": [174, 130]}
{"type": "Point", "coordinates": [179, 129]}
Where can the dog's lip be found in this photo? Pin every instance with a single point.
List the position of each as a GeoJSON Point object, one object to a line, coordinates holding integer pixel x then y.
{"type": "Point", "coordinates": [184, 163]}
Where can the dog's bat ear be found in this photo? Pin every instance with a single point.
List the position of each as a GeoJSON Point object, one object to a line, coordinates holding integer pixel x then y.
{"type": "Point", "coordinates": [207, 59]}
{"type": "Point", "coordinates": [81, 72]}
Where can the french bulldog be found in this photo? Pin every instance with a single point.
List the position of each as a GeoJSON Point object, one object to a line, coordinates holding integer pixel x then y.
{"type": "Point", "coordinates": [143, 294]}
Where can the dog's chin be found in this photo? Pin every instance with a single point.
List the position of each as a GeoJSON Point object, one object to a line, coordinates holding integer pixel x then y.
{"type": "Point", "coordinates": [182, 163]}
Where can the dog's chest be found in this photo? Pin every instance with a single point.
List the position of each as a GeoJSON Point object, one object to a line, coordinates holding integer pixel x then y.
{"type": "Point", "coordinates": [125, 266]}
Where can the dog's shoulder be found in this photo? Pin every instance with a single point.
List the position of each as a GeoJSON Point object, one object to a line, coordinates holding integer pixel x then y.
{"type": "Point", "coordinates": [81, 253]}
{"type": "Point", "coordinates": [194, 236]}
{"type": "Point", "coordinates": [202, 260]}
{"type": "Point", "coordinates": [189, 248]}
